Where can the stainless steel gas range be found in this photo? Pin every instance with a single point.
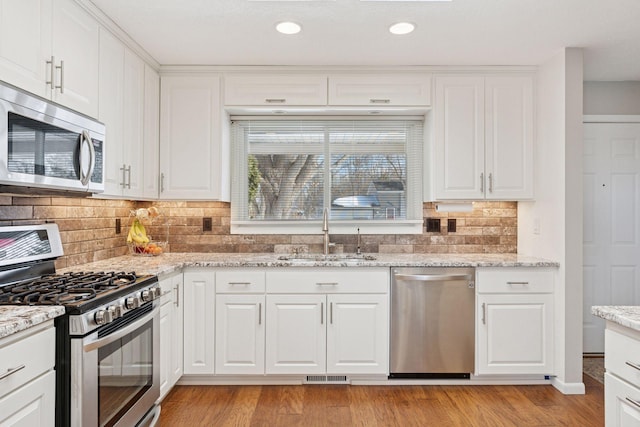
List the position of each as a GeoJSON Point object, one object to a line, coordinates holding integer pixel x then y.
{"type": "Point", "coordinates": [107, 343]}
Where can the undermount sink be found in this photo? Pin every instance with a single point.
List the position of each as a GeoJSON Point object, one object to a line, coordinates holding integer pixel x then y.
{"type": "Point", "coordinates": [332, 257]}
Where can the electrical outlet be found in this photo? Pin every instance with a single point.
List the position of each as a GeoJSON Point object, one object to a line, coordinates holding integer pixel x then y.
{"type": "Point", "coordinates": [118, 226]}
{"type": "Point", "coordinates": [451, 225]}
{"type": "Point", "coordinates": [433, 225]}
{"type": "Point", "coordinates": [207, 224]}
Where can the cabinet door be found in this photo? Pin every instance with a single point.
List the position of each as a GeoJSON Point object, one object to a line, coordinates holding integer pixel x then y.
{"type": "Point", "coordinates": [459, 137]}
{"type": "Point", "coordinates": [296, 333]}
{"type": "Point", "coordinates": [621, 402]}
{"type": "Point", "coordinates": [509, 137]}
{"type": "Point", "coordinates": [380, 89]}
{"type": "Point", "coordinates": [358, 334]}
{"type": "Point", "coordinates": [252, 89]}
{"type": "Point", "coordinates": [111, 100]}
{"type": "Point", "coordinates": [25, 44]}
{"type": "Point", "coordinates": [151, 132]}
{"type": "Point", "coordinates": [199, 310]}
{"type": "Point", "coordinates": [177, 329]}
{"type": "Point", "coordinates": [133, 117]}
{"type": "Point", "coordinates": [515, 334]}
{"type": "Point", "coordinates": [32, 405]}
{"type": "Point", "coordinates": [75, 42]}
{"type": "Point", "coordinates": [166, 327]}
{"type": "Point", "coordinates": [240, 334]}
{"type": "Point", "coordinates": [191, 160]}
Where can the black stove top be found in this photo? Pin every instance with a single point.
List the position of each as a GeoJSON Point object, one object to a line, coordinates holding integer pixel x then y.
{"type": "Point", "coordinates": [77, 291]}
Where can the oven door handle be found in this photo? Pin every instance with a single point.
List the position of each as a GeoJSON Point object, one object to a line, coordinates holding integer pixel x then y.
{"type": "Point", "coordinates": [94, 345]}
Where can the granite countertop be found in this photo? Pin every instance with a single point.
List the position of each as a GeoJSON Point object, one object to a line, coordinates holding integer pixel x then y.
{"type": "Point", "coordinates": [14, 319]}
{"type": "Point", "coordinates": [628, 315]}
{"type": "Point", "coordinates": [169, 262]}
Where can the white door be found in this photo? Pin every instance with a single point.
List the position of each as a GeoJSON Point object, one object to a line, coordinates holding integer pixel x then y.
{"type": "Point", "coordinates": [240, 334]}
{"type": "Point", "coordinates": [611, 233]}
{"type": "Point", "coordinates": [296, 333]}
{"type": "Point", "coordinates": [358, 334]}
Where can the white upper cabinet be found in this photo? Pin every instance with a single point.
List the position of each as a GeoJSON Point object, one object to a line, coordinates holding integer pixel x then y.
{"type": "Point", "coordinates": [194, 163]}
{"type": "Point", "coordinates": [75, 53]}
{"type": "Point", "coordinates": [380, 89]}
{"type": "Point", "coordinates": [280, 89]}
{"type": "Point", "coordinates": [483, 137]}
{"type": "Point", "coordinates": [25, 44]}
{"type": "Point", "coordinates": [50, 48]}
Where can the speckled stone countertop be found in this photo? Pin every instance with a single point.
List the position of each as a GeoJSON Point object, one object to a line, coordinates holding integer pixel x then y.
{"type": "Point", "coordinates": [169, 262]}
{"type": "Point", "coordinates": [628, 315]}
{"type": "Point", "coordinates": [14, 319]}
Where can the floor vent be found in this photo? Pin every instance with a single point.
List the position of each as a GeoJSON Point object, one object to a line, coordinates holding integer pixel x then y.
{"type": "Point", "coordinates": [327, 379]}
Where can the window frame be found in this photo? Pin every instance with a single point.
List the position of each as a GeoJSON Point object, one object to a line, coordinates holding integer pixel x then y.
{"type": "Point", "coordinates": [414, 192]}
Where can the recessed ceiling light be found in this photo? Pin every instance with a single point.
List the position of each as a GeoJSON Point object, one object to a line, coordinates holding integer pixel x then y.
{"type": "Point", "coordinates": [288, 27]}
{"type": "Point", "coordinates": [401, 28]}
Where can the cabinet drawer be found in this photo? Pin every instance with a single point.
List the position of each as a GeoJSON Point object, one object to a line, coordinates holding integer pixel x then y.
{"type": "Point", "coordinates": [35, 352]}
{"type": "Point", "coordinates": [622, 354]}
{"type": "Point", "coordinates": [621, 402]}
{"type": "Point", "coordinates": [380, 90]}
{"type": "Point", "coordinates": [514, 280]}
{"type": "Point", "coordinates": [329, 280]}
{"type": "Point", "coordinates": [249, 89]}
{"type": "Point", "coordinates": [240, 281]}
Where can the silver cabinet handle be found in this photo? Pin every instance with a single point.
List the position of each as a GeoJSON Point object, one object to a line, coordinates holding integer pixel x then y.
{"type": "Point", "coordinates": [482, 182]}
{"type": "Point", "coordinates": [11, 372]}
{"type": "Point", "coordinates": [85, 138]}
{"type": "Point", "coordinates": [331, 313]}
{"type": "Point", "coordinates": [379, 101]}
{"type": "Point", "coordinates": [129, 177]}
{"type": "Point", "coordinates": [433, 277]}
{"type": "Point", "coordinates": [630, 400]}
{"type": "Point", "coordinates": [327, 283]}
{"type": "Point", "coordinates": [239, 283]}
{"type": "Point", "coordinates": [490, 183]}
{"type": "Point", "coordinates": [633, 365]}
{"type": "Point", "coordinates": [484, 319]}
{"type": "Point", "coordinates": [61, 68]}
{"type": "Point", "coordinates": [124, 171]}
{"type": "Point", "coordinates": [177, 289]}
{"type": "Point", "coordinates": [259, 313]}
{"type": "Point", "coordinates": [322, 313]}
{"type": "Point", "coordinates": [518, 283]}
{"type": "Point", "coordinates": [275, 100]}
{"type": "Point", "coordinates": [51, 65]}
{"type": "Point", "coordinates": [162, 182]}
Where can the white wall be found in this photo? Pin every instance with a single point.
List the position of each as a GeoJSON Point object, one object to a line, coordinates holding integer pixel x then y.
{"type": "Point", "coordinates": [611, 97]}
{"type": "Point", "coordinates": [558, 204]}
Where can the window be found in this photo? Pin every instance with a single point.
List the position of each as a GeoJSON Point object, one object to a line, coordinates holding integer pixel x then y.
{"type": "Point", "coordinates": [287, 171]}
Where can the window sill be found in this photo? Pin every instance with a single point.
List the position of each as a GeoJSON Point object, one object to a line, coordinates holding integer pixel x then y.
{"type": "Point", "coordinates": [335, 227]}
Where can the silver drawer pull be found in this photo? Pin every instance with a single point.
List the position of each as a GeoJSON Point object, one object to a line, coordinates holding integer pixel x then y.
{"type": "Point", "coordinates": [275, 100]}
{"type": "Point", "coordinates": [11, 372]}
{"type": "Point", "coordinates": [327, 283]}
{"type": "Point", "coordinates": [633, 365]}
{"type": "Point", "coordinates": [633, 402]}
{"type": "Point", "coordinates": [379, 101]}
{"type": "Point", "coordinates": [518, 283]}
{"type": "Point", "coordinates": [239, 283]}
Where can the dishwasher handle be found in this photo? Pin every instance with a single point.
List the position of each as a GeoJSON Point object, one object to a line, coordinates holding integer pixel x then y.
{"type": "Point", "coordinates": [433, 277]}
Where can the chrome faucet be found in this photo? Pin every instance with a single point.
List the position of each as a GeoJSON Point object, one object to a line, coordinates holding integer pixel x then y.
{"type": "Point", "coordinates": [325, 230]}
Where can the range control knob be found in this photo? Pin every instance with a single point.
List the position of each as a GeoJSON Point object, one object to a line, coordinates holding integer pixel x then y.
{"type": "Point", "coordinates": [115, 310]}
{"type": "Point", "coordinates": [132, 302]}
{"type": "Point", "coordinates": [147, 295]}
{"type": "Point", "coordinates": [102, 317]}
{"type": "Point", "coordinates": [155, 292]}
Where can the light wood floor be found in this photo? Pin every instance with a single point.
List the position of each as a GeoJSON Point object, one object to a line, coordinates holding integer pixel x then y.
{"type": "Point", "coordinates": [342, 405]}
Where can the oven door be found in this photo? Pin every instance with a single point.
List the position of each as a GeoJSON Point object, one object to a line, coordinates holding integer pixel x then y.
{"type": "Point", "coordinates": [117, 380]}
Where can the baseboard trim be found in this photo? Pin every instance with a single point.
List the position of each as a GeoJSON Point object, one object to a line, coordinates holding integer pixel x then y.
{"type": "Point", "coordinates": [568, 388]}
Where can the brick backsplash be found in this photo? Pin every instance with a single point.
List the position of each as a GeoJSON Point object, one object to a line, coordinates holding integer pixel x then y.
{"type": "Point", "coordinates": [88, 233]}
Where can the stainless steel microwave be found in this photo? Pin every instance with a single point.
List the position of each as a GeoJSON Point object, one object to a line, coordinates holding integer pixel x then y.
{"type": "Point", "coordinates": [46, 148]}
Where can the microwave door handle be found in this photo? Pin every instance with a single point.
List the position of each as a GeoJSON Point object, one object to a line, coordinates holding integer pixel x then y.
{"type": "Point", "coordinates": [86, 138]}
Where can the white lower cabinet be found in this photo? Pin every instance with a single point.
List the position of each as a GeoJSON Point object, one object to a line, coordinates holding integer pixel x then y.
{"type": "Point", "coordinates": [28, 386]}
{"type": "Point", "coordinates": [199, 316]}
{"type": "Point", "coordinates": [622, 377]}
{"type": "Point", "coordinates": [171, 331]}
{"type": "Point", "coordinates": [514, 321]}
{"type": "Point", "coordinates": [240, 325]}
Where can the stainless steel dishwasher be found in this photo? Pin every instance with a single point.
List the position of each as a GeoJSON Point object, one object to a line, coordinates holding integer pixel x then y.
{"type": "Point", "coordinates": [432, 323]}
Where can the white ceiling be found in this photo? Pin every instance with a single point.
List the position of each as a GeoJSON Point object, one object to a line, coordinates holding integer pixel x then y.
{"type": "Point", "coordinates": [354, 32]}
